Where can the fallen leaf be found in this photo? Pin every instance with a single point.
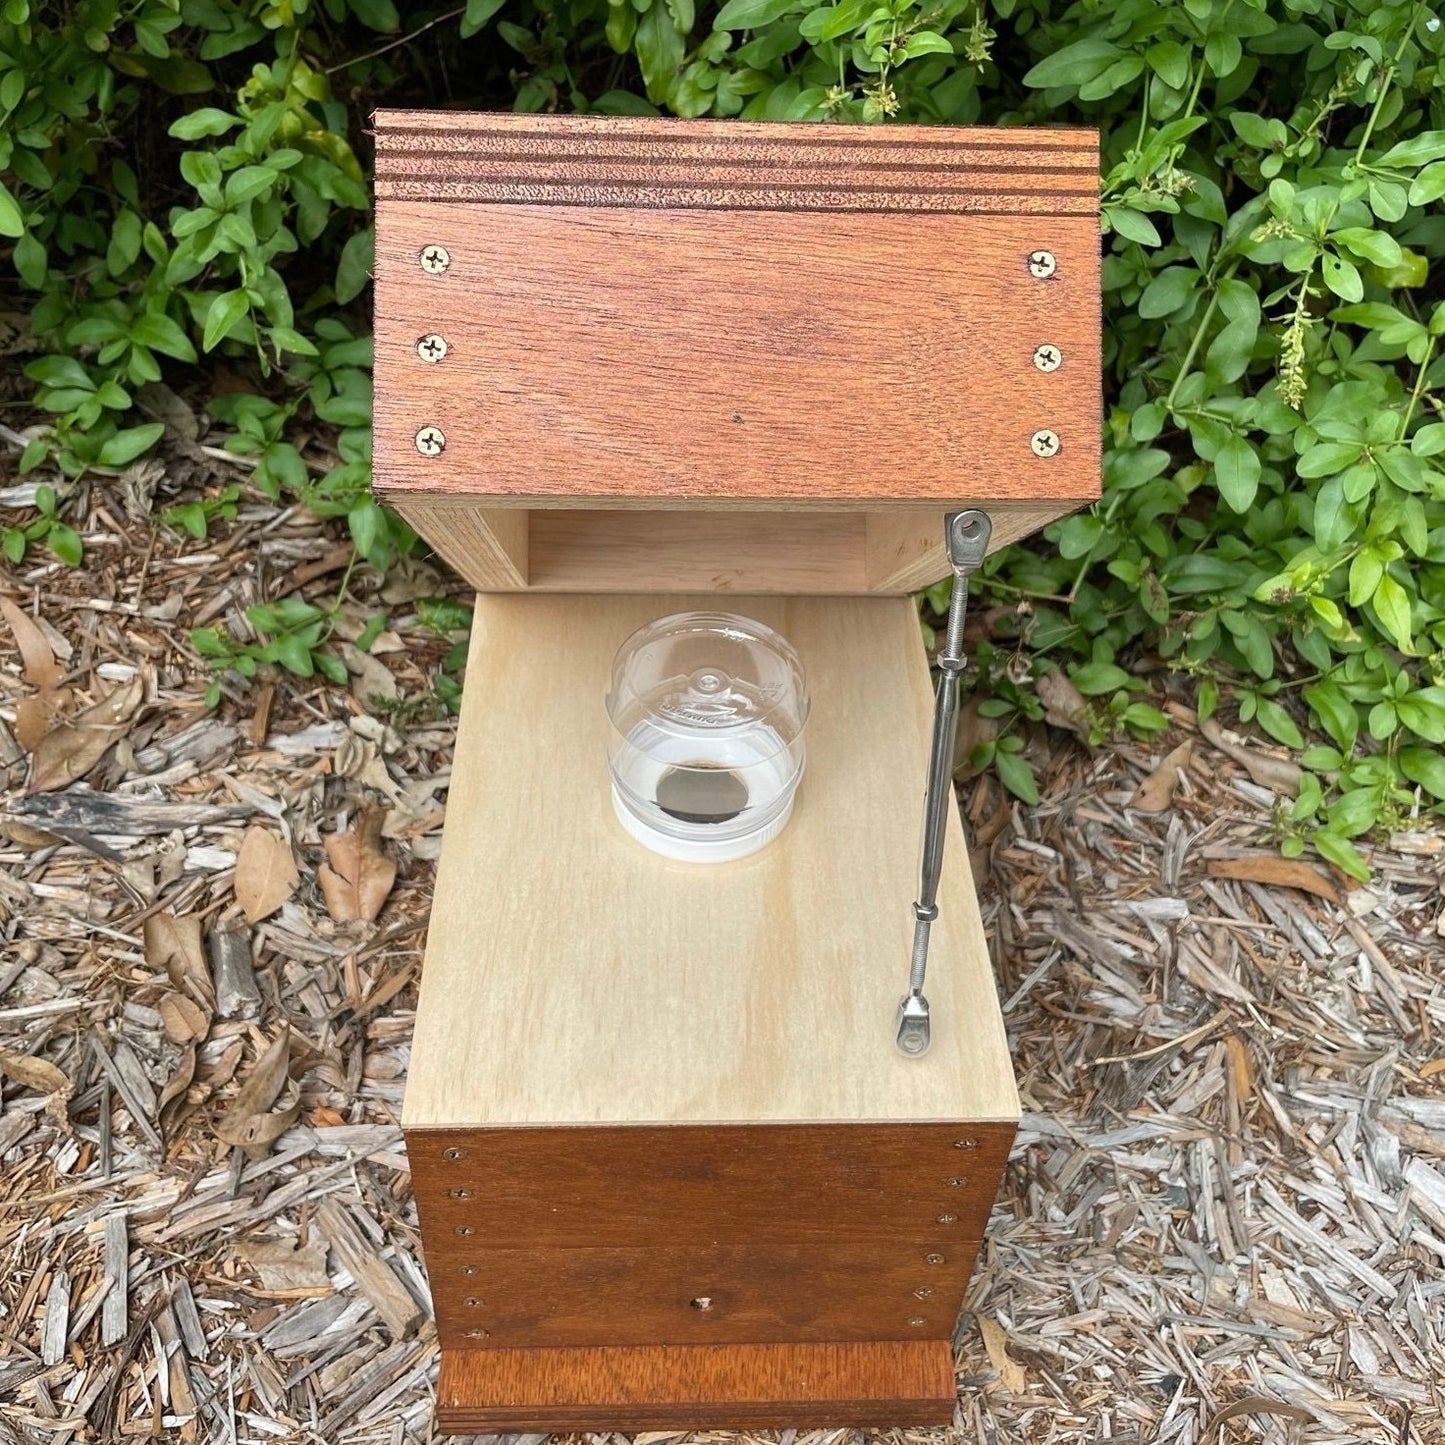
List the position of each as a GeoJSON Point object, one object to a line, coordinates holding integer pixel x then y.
{"type": "Point", "coordinates": [44, 1078]}
{"type": "Point", "coordinates": [174, 943]}
{"type": "Point", "coordinates": [370, 678]}
{"type": "Point", "coordinates": [358, 880]}
{"type": "Point", "coordinates": [1435, 1066]}
{"type": "Point", "coordinates": [285, 1264]}
{"type": "Point", "coordinates": [184, 1020]}
{"type": "Point", "coordinates": [1258, 1405]}
{"type": "Point", "coordinates": [250, 1124]}
{"type": "Point", "coordinates": [1156, 793]}
{"type": "Point", "coordinates": [71, 749]}
{"type": "Point", "coordinates": [32, 720]}
{"type": "Point", "coordinates": [1277, 872]}
{"type": "Point", "coordinates": [41, 669]}
{"type": "Point", "coordinates": [1064, 705]}
{"type": "Point", "coordinates": [995, 1341]}
{"type": "Point", "coordinates": [266, 873]}
{"type": "Point", "coordinates": [1279, 775]}
{"type": "Point", "coordinates": [179, 1081]}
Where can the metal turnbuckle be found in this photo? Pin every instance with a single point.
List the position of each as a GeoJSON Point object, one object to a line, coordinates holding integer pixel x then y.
{"type": "Point", "coordinates": [966, 534]}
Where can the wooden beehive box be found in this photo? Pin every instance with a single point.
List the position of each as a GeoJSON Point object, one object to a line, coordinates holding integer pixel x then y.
{"type": "Point", "coordinates": [670, 1168]}
{"type": "Point", "coordinates": [661, 355]}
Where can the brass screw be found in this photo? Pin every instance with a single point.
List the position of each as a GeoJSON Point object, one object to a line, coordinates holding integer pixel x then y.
{"type": "Point", "coordinates": [1046, 357]}
{"type": "Point", "coordinates": [1045, 443]}
{"type": "Point", "coordinates": [948, 1219]}
{"type": "Point", "coordinates": [965, 1143]}
{"type": "Point", "coordinates": [465, 1229]}
{"type": "Point", "coordinates": [923, 1291]}
{"type": "Point", "coordinates": [470, 1269]}
{"type": "Point", "coordinates": [1042, 265]}
{"type": "Point", "coordinates": [958, 1181]}
{"type": "Point", "coordinates": [472, 1302]}
{"type": "Point", "coordinates": [916, 1321]}
{"type": "Point", "coordinates": [475, 1334]}
{"type": "Point", "coordinates": [454, 1154]}
{"type": "Point", "coordinates": [431, 441]}
{"type": "Point", "coordinates": [432, 347]}
{"type": "Point", "coordinates": [460, 1193]}
{"type": "Point", "coordinates": [435, 260]}
{"type": "Point", "coordinates": [934, 1258]}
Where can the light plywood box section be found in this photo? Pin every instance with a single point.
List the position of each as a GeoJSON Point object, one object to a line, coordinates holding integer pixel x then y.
{"type": "Point", "coordinates": [654, 1106]}
{"type": "Point", "coordinates": [727, 356]}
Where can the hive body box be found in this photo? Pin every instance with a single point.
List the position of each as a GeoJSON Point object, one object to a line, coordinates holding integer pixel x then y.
{"type": "Point", "coordinates": [671, 1170]}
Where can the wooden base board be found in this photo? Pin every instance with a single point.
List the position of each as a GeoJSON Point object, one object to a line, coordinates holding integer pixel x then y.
{"type": "Point", "coordinates": [697, 1387]}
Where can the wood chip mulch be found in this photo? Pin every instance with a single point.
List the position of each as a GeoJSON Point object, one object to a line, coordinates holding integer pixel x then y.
{"type": "Point", "coordinates": [1224, 1218]}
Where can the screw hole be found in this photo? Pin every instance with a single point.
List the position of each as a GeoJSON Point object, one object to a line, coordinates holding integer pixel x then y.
{"type": "Point", "coordinates": [701, 1302]}
{"type": "Point", "coordinates": [454, 1154]}
{"type": "Point", "coordinates": [469, 1269]}
{"type": "Point", "coordinates": [474, 1303]}
{"type": "Point", "coordinates": [958, 1181]}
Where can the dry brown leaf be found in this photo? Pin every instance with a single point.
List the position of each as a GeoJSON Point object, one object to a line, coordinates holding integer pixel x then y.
{"type": "Point", "coordinates": [249, 1123]}
{"type": "Point", "coordinates": [174, 943]}
{"type": "Point", "coordinates": [285, 1264]}
{"type": "Point", "coordinates": [1279, 775]}
{"type": "Point", "coordinates": [32, 720]}
{"type": "Point", "coordinates": [41, 669]}
{"type": "Point", "coordinates": [995, 1341]}
{"type": "Point", "coordinates": [1064, 705]}
{"type": "Point", "coordinates": [1278, 872]}
{"type": "Point", "coordinates": [266, 873]}
{"type": "Point", "coordinates": [184, 1020]}
{"type": "Point", "coordinates": [179, 1081]}
{"type": "Point", "coordinates": [1156, 793]}
{"type": "Point", "coordinates": [1258, 1405]}
{"type": "Point", "coordinates": [71, 749]}
{"type": "Point", "coordinates": [358, 880]}
{"type": "Point", "coordinates": [44, 1078]}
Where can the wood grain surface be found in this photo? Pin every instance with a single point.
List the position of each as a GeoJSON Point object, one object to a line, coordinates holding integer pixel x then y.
{"type": "Point", "coordinates": [573, 977]}
{"type": "Point", "coordinates": [735, 165]}
{"type": "Point", "coordinates": [827, 553]}
{"type": "Point", "coordinates": [668, 358]}
{"type": "Point", "coordinates": [878, 1384]}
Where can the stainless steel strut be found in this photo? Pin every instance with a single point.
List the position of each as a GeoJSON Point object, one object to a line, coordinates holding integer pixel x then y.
{"type": "Point", "coordinates": [966, 535]}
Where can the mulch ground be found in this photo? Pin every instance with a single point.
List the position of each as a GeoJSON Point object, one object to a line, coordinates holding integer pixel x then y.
{"type": "Point", "coordinates": [1224, 1218]}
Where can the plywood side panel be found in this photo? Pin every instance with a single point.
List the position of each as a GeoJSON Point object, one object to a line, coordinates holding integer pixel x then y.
{"type": "Point", "coordinates": [905, 552]}
{"type": "Point", "coordinates": [880, 1384]}
{"type": "Point", "coordinates": [814, 359]}
{"type": "Point", "coordinates": [760, 991]}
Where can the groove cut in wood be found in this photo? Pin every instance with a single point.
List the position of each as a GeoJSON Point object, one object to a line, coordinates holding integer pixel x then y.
{"type": "Point", "coordinates": [662, 1387]}
{"type": "Point", "coordinates": [826, 553]}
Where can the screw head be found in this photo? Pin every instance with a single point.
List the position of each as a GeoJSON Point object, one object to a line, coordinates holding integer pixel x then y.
{"type": "Point", "coordinates": [923, 1291]}
{"type": "Point", "coordinates": [435, 259]}
{"type": "Point", "coordinates": [1046, 357]}
{"type": "Point", "coordinates": [470, 1269]}
{"type": "Point", "coordinates": [432, 347]}
{"type": "Point", "coordinates": [970, 1143]}
{"type": "Point", "coordinates": [916, 1321]}
{"type": "Point", "coordinates": [460, 1193]}
{"type": "Point", "coordinates": [933, 1258]}
{"type": "Point", "coordinates": [465, 1229]}
{"type": "Point", "coordinates": [1042, 264]}
{"type": "Point", "coordinates": [454, 1154]}
{"type": "Point", "coordinates": [475, 1334]}
{"type": "Point", "coordinates": [473, 1303]}
{"type": "Point", "coordinates": [431, 441]}
{"type": "Point", "coordinates": [1045, 443]}
{"type": "Point", "coordinates": [948, 1219]}
{"type": "Point", "coordinates": [958, 1181]}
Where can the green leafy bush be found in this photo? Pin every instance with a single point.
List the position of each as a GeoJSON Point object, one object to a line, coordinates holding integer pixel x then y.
{"type": "Point", "coordinates": [1273, 525]}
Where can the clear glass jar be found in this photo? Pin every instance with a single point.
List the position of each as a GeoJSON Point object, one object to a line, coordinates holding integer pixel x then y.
{"type": "Point", "coordinates": [706, 746]}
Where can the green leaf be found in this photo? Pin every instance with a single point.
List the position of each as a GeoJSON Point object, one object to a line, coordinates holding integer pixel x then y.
{"type": "Point", "coordinates": [1392, 607]}
{"type": "Point", "coordinates": [1428, 145]}
{"type": "Point", "coordinates": [125, 446]}
{"type": "Point", "coordinates": [1094, 678]}
{"type": "Point", "coordinates": [752, 14]}
{"type": "Point", "coordinates": [1017, 776]}
{"type": "Point", "coordinates": [1425, 766]}
{"type": "Point", "coordinates": [1073, 65]}
{"type": "Point", "coordinates": [478, 12]}
{"type": "Point", "coordinates": [207, 121]}
{"type": "Point", "coordinates": [226, 309]}
{"type": "Point", "coordinates": [353, 271]}
{"type": "Point", "coordinates": [1168, 291]}
{"type": "Point", "coordinates": [1325, 459]}
{"type": "Point", "coordinates": [1342, 853]}
{"type": "Point", "coordinates": [162, 334]}
{"type": "Point", "coordinates": [66, 544]}
{"type": "Point", "coordinates": [1236, 473]}
{"type": "Point", "coordinates": [1423, 712]}
{"type": "Point", "coordinates": [1133, 225]}
{"type": "Point", "coordinates": [294, 655]}
{"type": "Point", "coordinates": [1278, 723]}
{"type": "Point", "coordinates": [12, 221]}
{"type": "Point", "coordinates": [1374, 246]}
{"type": "Point", "coordinates": [1342, 277]}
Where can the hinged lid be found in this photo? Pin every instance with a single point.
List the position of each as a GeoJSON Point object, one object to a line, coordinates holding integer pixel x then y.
{"type": "Point", "coordinates": [601, 313]}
